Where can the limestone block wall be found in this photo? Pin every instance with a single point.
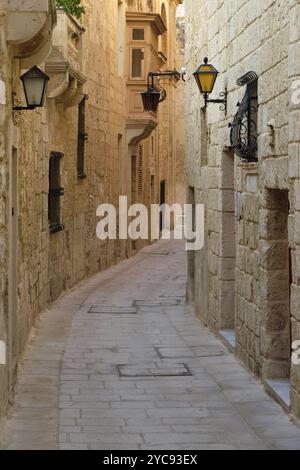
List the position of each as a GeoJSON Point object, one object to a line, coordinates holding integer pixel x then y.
{"type": "Point", "coordinates": [36, 266]}
{"type": "Point", "coordinates": [245, 279]}
{"type": "Point", "coordinates": [168, 126]}
{"type": "Point", "coordinates": [294, 175]}
{"type": "Point", "coordinates": [4, 66]}
{"type": "Point", "coordinates": [180, 191]}
{"type": "Point", "coordinates": [46, 265]}
{"type": "Point", "coordinates": [247, 314]}
{"type": "Point", "coordinates": [50, 264]}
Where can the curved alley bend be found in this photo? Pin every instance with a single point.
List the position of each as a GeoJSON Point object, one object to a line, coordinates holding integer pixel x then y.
{"type": "Point", "coordinates": [121, 363]}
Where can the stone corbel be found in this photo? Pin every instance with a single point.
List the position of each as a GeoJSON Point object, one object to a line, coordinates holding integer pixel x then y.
{"type": "Point", "coordinates": [66, 84]}
{"type": "Point", "coordinates": [139, 129]}
{"type": "Point", "coordinates": [74, 95]}
{"type": "Point", "coordinates": [29, 29]}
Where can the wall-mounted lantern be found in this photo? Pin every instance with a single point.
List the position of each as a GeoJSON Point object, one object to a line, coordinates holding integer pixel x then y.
{"type": "Point", "coordinates": [154, 95]}
{"type": "Point", "coordinates": [206, 76]}
{"type": "Point", "coordinates": [35, 83]}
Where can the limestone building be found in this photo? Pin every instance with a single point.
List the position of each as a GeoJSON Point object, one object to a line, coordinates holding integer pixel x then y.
{"type": "Point", "coordinates": [245, 283]}
{"type": "Point", "coordinates": [89, 144]}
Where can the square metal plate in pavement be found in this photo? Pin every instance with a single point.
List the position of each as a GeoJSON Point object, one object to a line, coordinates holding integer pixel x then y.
{"type": "Point", "coordinates": [155, 369]}
{"type": "Point", "coordinates": [163, 302]}
{"type": "Point", "coordinates": [112, 310]}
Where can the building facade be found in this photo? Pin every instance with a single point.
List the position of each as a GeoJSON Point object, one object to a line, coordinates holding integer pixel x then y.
{"type": "Point", "coordinates": [245, 282]}
{"type": "Point", "coordinates": [180, 196]}
{"type": "Point", "coordinates": [91, 143]}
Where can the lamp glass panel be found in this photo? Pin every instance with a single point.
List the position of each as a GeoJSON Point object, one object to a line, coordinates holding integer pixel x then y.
{"type": "Point", "coordinates": [35, 88]}
{"type": "Point", "coordinates": [206, 77]}
{"type": "Point", "coordinates": [137, 66]}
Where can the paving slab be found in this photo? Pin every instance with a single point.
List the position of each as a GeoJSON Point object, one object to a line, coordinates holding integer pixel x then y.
{"type": "Point", "coordinates": [122, 363]}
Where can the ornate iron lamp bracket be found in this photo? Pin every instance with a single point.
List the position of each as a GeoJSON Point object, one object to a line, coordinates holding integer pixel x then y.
{"type": "Point", "coordinates": [169, 73]}
{"type": "Point", "coordinates": [222, 100]}
{"type": "Point", "coordinates": [243, 134]}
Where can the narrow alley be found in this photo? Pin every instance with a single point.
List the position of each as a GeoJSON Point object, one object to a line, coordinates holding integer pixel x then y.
{"type": "Point", "coordinates": [120, 363]}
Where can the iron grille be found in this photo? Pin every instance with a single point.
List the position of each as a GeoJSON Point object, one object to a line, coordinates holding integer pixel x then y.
{"type": "Point", "coordinates": [243, 133]}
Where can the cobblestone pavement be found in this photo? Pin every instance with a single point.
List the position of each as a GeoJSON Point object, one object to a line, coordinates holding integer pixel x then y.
{"type": "Point", "coordinates": [120, 363]}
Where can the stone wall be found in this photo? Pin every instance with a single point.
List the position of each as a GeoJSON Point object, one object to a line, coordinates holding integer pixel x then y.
{"type": "Point", "coordinates": [294, 183]}
{"type": "Point", "coordinates": [50, 264]}
{"type": "Point", "coordinates": [180, 194]}
{"type": "Point", "coordinates": [44, 265]}
{"type": "Point", "coordinates": [4, 66]}
{"type": "Point", "coordinates": [243, 280]}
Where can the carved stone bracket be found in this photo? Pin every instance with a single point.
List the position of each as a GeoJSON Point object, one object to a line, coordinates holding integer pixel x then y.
{"type": "Point", "coordinates": [64, 65]}
{"type": "Point", "coordinates": [66, 84]}
{"type": "Point", "coordinates": [139, 129]}
{"type": "Point", "coordinates": [29, 29]}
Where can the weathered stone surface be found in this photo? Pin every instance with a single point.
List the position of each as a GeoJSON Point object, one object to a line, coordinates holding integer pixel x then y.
{"type": "Point", "coordinates": [219, 405]}
{"type": "Point", "coordinates": [264, 240]}
{"type": "Point", "coordinates": [89, 57]}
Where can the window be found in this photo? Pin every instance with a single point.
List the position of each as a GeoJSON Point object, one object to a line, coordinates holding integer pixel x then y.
{"type": "Point", "coordinates": [82, 138]}
{"type": "Point", "coordinates": [133, 179]}
{"type": "Point", "coordinates": [55, 193]}
{"type": "Point", "coordinates": [137, 63]}
{"type": "Point", "coordinates": [162, 202]}
{"type": "Point", "coordinates": [140, 171]}
{"type": "Point", "coordinates": [138, 34]}
{"type": "Point", "coordinates": [152, 189]}
{"type": "Point", "coordinates": [120, 154]}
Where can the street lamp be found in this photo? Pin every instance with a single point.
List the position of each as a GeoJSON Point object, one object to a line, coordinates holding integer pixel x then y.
{"type": "Point", "coordinates": [35, 83]}
{"type": "Point", "coordinates": [151, 99]}
{"type": "Point", "coordinates": [206, 76]}
{"type": "Point", "coordinates": [153, 96]}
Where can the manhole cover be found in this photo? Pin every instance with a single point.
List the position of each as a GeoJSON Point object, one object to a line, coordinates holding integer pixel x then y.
{"type": "Point", "coordinates": [163, 302]}
{"type": "Point", "coordinates": [155, 369]}
{"type": "Point", "coordinates": [112, 310]}
{"type": "Point", "coordinates": [157, 253]}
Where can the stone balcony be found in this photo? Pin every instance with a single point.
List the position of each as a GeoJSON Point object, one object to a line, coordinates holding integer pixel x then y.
{"type": "Point", "coordinates": [151, 26]}
{"type": "Point", "coordinates": [29, 29]}
{"type": "Point", "coordinates": [65, 65]}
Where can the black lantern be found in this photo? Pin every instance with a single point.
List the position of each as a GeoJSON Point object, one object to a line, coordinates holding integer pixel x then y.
{"type": "Point", "coordinates": [35, 83]}
{"type": "Point", "coordinates": [151, 99]}
{"type": "Point", "coordinates": [153, 96]}
{"type": "Point", "coordinates": [206, 76]}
